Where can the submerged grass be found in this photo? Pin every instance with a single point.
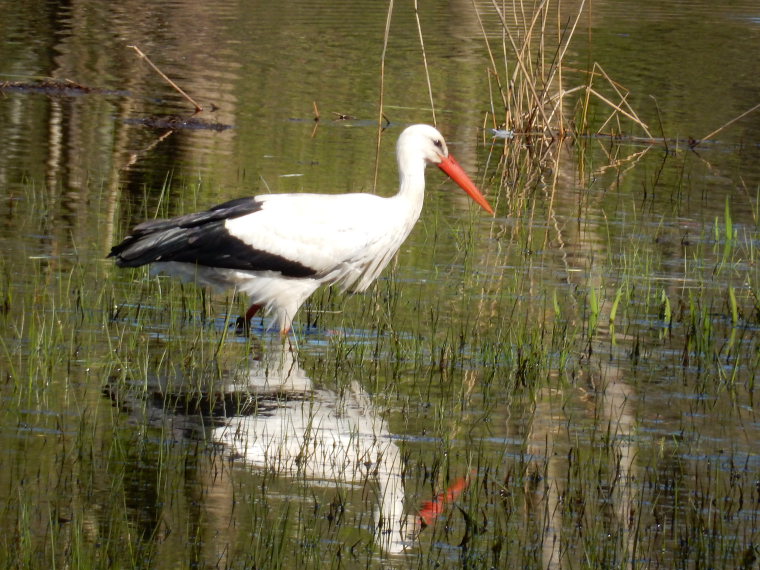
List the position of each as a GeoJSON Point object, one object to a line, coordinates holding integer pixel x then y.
{"type": "Point", "coordinates": [583, 407]}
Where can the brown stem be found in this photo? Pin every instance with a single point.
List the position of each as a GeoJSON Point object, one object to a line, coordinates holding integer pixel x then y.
{"type": "Point", "coordinates": [198, 108]}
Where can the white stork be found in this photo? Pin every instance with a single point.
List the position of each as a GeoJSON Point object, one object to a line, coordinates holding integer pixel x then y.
{"type": "Point", "coordinates": [279, 248]}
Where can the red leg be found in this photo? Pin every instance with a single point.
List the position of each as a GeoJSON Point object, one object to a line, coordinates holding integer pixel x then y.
{"type": "Point", "coordinates": [431, 510]}
{"type": "Point", "coordinates": [251, 312]}
{"type": "Point", "coordinates": [243, 324]}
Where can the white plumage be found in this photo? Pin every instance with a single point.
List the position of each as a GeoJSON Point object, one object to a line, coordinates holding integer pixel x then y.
{"type": "Point", "coordinates": [279, 248]}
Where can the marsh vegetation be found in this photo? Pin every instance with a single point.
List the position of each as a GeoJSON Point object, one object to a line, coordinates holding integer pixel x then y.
{"type": "Point", "coordinates": [577, 372]}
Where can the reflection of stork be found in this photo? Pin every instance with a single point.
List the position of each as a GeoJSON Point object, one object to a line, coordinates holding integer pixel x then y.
{"type": "Point", "coordinates": [321, 436]}
{"type": "Point", "coordinates": [279, 248]}
{"type": "Point", "coordinates": [280, 423]}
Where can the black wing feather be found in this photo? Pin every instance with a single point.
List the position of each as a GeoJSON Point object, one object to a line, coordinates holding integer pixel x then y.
{"type": "Point", "coordinates": [203, 239]}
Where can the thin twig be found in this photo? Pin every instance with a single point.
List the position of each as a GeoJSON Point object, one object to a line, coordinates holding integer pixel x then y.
{"type": "Point", "coordinates": [382, 92]}
{"type": "Point", "coordinates": [616, 87]}
{"type": "Point", "coordinates": [520, 56]}
{"type": "Point", "coordinates": [731, 122]}
{"type": "Point", "coordinates": [559, 59]}
{"type": "Point", "coordinates": [494, 70]}
{"type": "Point", "coordinates": [198, 108]}
{"type": "Point", "coordinates": [134, 156]}
{"type": "Point", "coordinates": [424, 61]}
{"type": "Point", "coordinates": [613, 115]}
{"type": "Point", "coordinates": [620, 110]}
{"type": "Point", "coordinates": [632, 159]}
{"type": "Point", "coordinates": [659, 118]}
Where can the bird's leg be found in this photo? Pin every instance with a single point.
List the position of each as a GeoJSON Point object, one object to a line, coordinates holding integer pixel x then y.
{"type": "Point", "coordinates": [432, 509]}
{"type": "Point", "coordinates": [243, 324]}
{"type": "Point", "coordinates": [251, 312]}
{"type": "Point", "coordinates": [291, 340]}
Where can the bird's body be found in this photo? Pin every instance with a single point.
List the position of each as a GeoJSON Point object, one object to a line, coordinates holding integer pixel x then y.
{"type": "Point", "coordinates": [280, 248]}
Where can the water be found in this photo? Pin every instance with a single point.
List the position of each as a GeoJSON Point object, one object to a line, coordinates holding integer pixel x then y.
{"type": "Point", "coordinates": [586, 360]}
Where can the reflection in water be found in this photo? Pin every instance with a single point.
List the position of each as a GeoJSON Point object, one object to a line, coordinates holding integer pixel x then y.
{"type": "Point", "coordinates": [319, 435]}
{"type": "Point", "coordinates": [269, 416]}
{"type": "Point", "coordinates": [556, 455]}
{"type": "Point", "coordinates": [554, 439]}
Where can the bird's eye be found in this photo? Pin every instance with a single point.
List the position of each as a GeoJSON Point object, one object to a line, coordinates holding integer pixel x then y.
{"type": "Point", "coordinates": [438, 143]}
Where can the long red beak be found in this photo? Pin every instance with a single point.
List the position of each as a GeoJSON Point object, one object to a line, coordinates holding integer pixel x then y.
{"type": "Point", "coordinates": [452, 168]}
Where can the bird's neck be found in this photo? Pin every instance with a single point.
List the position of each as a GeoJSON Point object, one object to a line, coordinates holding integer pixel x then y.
{"type": "Point", "coordinates": [412, 186]}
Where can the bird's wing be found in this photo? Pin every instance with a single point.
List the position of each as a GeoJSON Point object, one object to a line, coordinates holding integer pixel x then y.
{"type": "Point", "coordinates": [202, 238]}
{"type": "Point", "coordinates": [297, 235]}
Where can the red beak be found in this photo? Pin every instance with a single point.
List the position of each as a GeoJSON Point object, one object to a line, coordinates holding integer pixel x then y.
{"type": "Point", "coordinates": [452, 168]}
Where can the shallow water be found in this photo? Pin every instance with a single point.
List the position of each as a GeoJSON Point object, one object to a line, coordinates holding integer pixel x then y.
{"type": "Point", "coordinates": [585, 361]}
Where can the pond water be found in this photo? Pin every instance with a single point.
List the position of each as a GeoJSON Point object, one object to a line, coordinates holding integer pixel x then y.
{"type": "Point", "coordinates": [572, 378]}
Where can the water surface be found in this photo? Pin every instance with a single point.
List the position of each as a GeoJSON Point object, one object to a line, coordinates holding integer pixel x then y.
{"type": "Point", "coordinates": [585, 361]}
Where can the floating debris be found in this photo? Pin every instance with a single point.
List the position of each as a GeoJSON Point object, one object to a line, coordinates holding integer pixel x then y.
{"type": "Point", "coordinates": [176, 123]}
{"type": "Point", "coordinates": [503, 133]}
{"type": "Point", "coordinates": [342, 117]}
{"type": "Point", "coordinates": [55, 87]}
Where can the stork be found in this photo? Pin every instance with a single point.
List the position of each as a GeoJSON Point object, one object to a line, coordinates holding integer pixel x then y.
{"type": "Point", "coordinates": [280, 248]}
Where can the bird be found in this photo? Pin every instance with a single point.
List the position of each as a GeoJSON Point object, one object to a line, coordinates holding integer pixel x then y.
{"type": "Point", "coordinates": [280, 248]}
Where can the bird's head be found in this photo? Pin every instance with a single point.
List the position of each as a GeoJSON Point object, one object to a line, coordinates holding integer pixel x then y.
{"type": "Point", "coordinates": [427, 143]}
{"type": "Point", "coordinates": [424, 141]}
